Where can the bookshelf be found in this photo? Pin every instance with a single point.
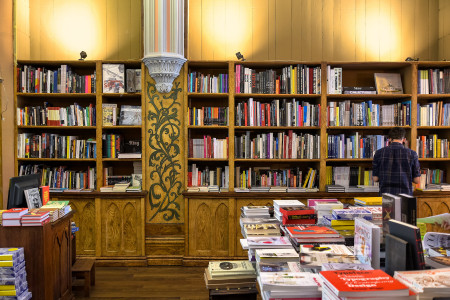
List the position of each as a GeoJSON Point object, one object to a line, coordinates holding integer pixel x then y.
{"type": "Point", "coordinates": [81, 104]}
{"type": "Point", "coordinates": [387, 111]}
{"type": "Point", "coordinates": [216, 215]}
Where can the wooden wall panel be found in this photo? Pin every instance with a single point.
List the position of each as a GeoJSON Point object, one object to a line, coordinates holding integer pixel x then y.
{"type": "Point", "coordinates": [444, 30]}
{"type": "Point", "coordinates": [61, 29]}
{"type": "Point", "coordinates": [333, 30]}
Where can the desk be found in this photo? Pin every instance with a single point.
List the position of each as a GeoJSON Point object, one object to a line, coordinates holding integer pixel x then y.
{"type": "Point", "coordinates": [47, 256]}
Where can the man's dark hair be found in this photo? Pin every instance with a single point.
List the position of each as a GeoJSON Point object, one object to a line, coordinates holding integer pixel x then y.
{"type": "Point", "coordinates": [396, 133]}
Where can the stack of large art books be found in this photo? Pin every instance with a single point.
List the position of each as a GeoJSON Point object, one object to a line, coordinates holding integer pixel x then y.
{"type": "Point", "coordinates": [230, 277]}
{"type": "Point", "coordinates": [13, 276]}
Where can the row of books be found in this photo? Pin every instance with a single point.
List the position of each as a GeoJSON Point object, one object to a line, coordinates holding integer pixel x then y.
{"type": "Point", "coordinates": [31, 79]}
{"type": "Point", "coordinates": [51, 145]}
{"type": "Point", "coordinates": [293, 79]}
{"type": "Point", "coordinates": [260, 177]}
{"type": "Point", "coordinates": [433, 114]}
{"type": "Point", "coordinates": [114, 80]}
{"type": "Point", "coordinates": [277, 113]}
{"type": "Point", "coordinates": [432, 147]}
{"type": "Point", "coordinates": [433, 81]}
{"type": "Point", "coordinates": [73, 115]}
{"type": "Point", "coordinates": [207, 83]}
{"type": "Point", "coordinates": [116, 146]}
{"type": "Point", "coordinates": [61, 177]}
{"type": "Point", "coordinates": [129, 115]}
{"type": "Point", "coordinates": [208, 116]}
{"type": "Point", "coordinates": [347, 113]}
{"type": "Point", "coordinates": [13, 274]}
{"type": "Point", "coordinates": [354, 146]}
{"type": "Point", "coordinates": [207, 176]}
{"type": "Point", "coordinates": [278, 145]}
{"type": "Point", "coordinates": [208, 147]}
{"type": "Point", "coordinates": [349, 175]}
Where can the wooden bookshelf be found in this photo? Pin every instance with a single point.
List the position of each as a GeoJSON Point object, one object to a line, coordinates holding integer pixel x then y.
{"type": "Point", "coordinates": [226, 205]}
{"type": "Point", "coordinates": [95, 132]}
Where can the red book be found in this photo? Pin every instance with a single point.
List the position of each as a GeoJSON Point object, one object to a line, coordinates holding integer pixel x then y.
{"type": "Point", "coordinates": [45, 194]}
{"type": "Point", "coordinates": [363, 283]}
{"type": "Point", "coordinates": [303, 210]}
{"type": "Point", "coordinates": [299, 222]}
{"type": "Point", "coordinates": [14, 213]}
{"type": "Point", "coordinates": [311, 231]}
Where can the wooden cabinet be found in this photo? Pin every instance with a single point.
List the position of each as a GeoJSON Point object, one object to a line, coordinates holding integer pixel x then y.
{"type": "Point", "coordinates": [430, 204]}
{"type": "Point", "coordinates": [210, 227]}
{"type": "Point", "coordinates": [48, 257]}
{"type": "Point", "coordinates": [111, 226]}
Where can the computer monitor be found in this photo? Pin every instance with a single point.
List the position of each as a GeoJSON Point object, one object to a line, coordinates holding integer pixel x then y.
{"type": "Point", "coordinates": [17, 186]}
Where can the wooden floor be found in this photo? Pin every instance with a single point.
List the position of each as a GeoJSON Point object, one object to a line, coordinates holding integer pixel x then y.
{"type": "Point", "coordinates": [163, 283]}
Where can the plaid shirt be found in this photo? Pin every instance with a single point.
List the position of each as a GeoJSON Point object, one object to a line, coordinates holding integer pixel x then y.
{"type": "Point", "coordinates": [396, 166]}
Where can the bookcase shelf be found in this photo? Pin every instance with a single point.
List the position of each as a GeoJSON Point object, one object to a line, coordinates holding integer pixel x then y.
{"type": "Point", "coordinates": [86, 78]}
{"type": "Point", "coordinates": [354, 74]}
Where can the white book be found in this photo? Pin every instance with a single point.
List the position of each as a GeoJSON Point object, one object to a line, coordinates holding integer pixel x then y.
{"type": "Point", "coordinates": [367, 242]}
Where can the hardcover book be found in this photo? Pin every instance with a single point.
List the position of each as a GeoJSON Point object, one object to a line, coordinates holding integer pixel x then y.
{"type": "Point", "coordinates": [269, 242]}
{"type": "Point", "coordinates": [130, 115]}
{"type": "Point", "coordinates": [388, 83]}
{"type": "Point", "coordinates": [345, 266]}
{"type": "Point", "coordinates": [398, 254]}
{"type": "Point", "coordinates": [33, 198]}
{"type": "Point", "coordinates": [408, 209]}
{"type": "Point", "coordinates": [231, 268]}
{"type": "Point", "coordinates": [133, 80]}
{"type": "Point", "coordinates": [282, 266]}
{"type": "Point", "coordinates": [316, 260]}
{"type": "Point", "coordinates": [425, 281]}
{"type": "Point", "coordinates": [113, 78]}
{"type": "Point", "coordinates": [363, 283]}
{"type": "Point", "coordinates": [311, 231]}
{"type": "Point", "coordinates": [367, 242]}
{"type": "Point", "coordinates": [410, 234]}
{"type": "Point", "coordinates": [391, 209]}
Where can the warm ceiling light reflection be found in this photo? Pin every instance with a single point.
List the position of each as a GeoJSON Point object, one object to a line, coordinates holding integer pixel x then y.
{"type": "Point", "coordinates": [382, 35]}
{"type": "Point", "coordinates": [75, 29]}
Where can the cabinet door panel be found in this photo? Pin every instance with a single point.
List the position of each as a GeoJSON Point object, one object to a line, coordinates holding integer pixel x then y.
{"type": "Point", "coordinates": [433, 206]}
{"type": "Point", "coordinates": [209, 221]}
{"type": "Point", "coordinates": [84, 218]}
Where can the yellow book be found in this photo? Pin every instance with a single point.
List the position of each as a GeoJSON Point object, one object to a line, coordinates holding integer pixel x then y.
{"type": "Point", "coordinates": [434, 145]}
{"type": "Point", "coordinates": [6, 263]}
{"type": "Point", "coordinates": [342, 222]}
{"type": "Point", "coordinates": [438, 148]}
{"type": "Point", "coordinates": [344, 227]}
{"type": "Point", "coordinates": [7, 287]}
{"type": "Point", "coordinates": [366, 177]}
{"type": "Point", "coordinates": [307, 177]}
{"type": "Point", "coordinates": [369, 200]}
{"type": "Point", "coordinates": [337, 115]}
{"type": "Point", "coordinates": [8, 293]}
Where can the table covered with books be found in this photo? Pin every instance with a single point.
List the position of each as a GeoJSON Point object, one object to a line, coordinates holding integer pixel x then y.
{"type": "Point", "coordinates": [328, 250]}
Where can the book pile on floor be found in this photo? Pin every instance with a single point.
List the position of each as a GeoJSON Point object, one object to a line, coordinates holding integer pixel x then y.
{"type": "Point", "coordinates": [13, 275]}
{"type": "Point", "coordinates": [230, 277]}
{"type": "Point", "coordinates": [428, 284]}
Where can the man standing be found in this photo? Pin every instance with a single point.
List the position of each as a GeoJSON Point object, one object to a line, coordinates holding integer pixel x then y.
{"type": "Point", "coordinates": [396, 167]}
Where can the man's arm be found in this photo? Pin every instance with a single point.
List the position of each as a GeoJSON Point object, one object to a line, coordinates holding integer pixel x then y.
{"type": "Point", "coordinates": [416, 180]}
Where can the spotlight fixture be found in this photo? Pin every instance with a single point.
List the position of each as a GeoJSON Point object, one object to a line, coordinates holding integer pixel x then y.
{"type": "Point", "coordinates": [240, 56]}
{"type": "Point", "coordinates": [83, 55]}
{"type": "Point", "coordinates": [409, 58]}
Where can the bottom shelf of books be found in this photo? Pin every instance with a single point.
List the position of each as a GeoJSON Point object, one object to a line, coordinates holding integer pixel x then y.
{"type": "Point", "coordinates": [330, 250]}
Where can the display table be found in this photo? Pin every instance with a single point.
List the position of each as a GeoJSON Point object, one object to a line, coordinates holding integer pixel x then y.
{"type": "Point", "coordinates": [48, 258]}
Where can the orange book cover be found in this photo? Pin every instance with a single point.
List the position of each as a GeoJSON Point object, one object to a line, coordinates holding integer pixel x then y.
{"type": "Point", "coordinates": [45, 194]}
{"type": "Point", "coordinates": [316, 231]}
{"type": "Point", "coordinates": [363, 283]}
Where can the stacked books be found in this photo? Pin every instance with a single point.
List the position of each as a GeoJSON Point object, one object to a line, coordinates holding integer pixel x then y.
{"type": "Point", "coordinates": [238, 276]}
{"type": "Point", "coordinates": [307, 234]}
{"type": "Point", "coordinates": [289, 285]}
{"type": "Point", "coordinates": [256, 211]}
{"type": "Point", "coordinates": [344, 227]}
{"type": "Point", "coordinates": [325, 208]}
{"type": "Point", "coordinates": [12, 216]}
{"type": "Point", "coordinates": [277, 255]}
{"type": "Point", "coordinates": [377, 214]}
{"type": "Point", "coordinates": [56, 209]}
{"type": "Point", "coordinates": [345, 266]}
{"type": "Point", "coordinates": [121, 187]}
{"type": "Point", "coordinates": [362, 284]}
{"type": "Point", "coordinates": [1, 215]}
{"type": "Point", "coordinates": [262, 229]}
{"type": "Point", "coordinates": [326, 248]}
{"type": "Point", "coordinates": [298, 215]}
{"type": "Point", "coordinates": [36, 217]}
{"type": "Point", "coordinates": [368, 201]}
{"type": "Point", "coordinates": [315, 260]}
{"type": "Point", "coordinates": [432, 283]}
{"type": "Point", "coordinates": [277, 204]}
{"type": "Point", "coordinates": [270, 242]}
{"type": "Point", "coordinates": [334, 188]}
{"type": "Point", "coordinates": [13, 275]}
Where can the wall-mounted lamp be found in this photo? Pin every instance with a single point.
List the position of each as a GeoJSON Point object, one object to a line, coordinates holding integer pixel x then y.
{"type": "Point", "coordinates": [409, 58]}
{"type": "Point", "coordinates": [83, 55]}
{"type": "Point", "coordinates": [240, 56]}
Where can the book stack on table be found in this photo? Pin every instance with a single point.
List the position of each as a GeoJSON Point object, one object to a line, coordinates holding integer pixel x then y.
{"type": "Point", "coordinates": [428, 284]}
{"type": "Point", "coordinates": [231, 279]}
{"type": "Point", "coordinates": [13, 275]}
